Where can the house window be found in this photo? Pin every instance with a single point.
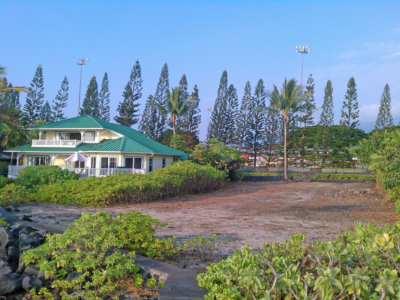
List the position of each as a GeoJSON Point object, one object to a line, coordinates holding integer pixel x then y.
{"type": "Point", "coordinates": [164, 162]}
{"type": "Point", "coordinates": [133, 162]}
{"type": "Point", "coordinates": [89, 136]}
{"type": "Point", "coordinates": [68, 136]}
{"type": "Point", "coordinates": [93, 162]}
{"type": "Point", "coordinates": [108, 162]}
{"type": "Point", "coordinates": [176, 158]}
{"type": "Point", "coordinates": [40, 160]}
{"type": "Point", "coordinates": [150, 164]}
{"type": "Point", "coordinates": [79, 164]}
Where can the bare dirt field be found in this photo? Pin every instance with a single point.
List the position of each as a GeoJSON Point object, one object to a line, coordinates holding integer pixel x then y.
{"type": "Point", "coordinates": [251, 212]}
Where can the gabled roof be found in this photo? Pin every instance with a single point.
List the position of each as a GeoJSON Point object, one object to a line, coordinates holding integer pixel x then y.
{"type": "Point", "coordinates": [132, 140]}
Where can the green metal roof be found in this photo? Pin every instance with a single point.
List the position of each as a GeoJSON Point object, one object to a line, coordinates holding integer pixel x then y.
{"type": "Point", "coordinates": [132, 140]}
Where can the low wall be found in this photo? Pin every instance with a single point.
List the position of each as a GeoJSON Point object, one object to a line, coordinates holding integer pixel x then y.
{"type": "Point", "coordinates": [306, 171]}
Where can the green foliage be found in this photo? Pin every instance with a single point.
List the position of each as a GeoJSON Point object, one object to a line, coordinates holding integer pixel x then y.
{"type": "Point", "coordinates": [40, 175]}
{"type": "Point", "coordinates": [363, 264]}
{"type": "Point", "coordinates": [218, 156]}
{"type": "Point", "coordinates": [60, 101]}
{"type": "Point", "coordinates": [177, 142]}
{"type": "Point", "coordinates": [344, 176]}
{"type": "Point", "coordinates": [88, 248]}
{"type": "Point", "coordinates": [204, 246]}
{"type": "Point", "coordinates": [182, 177]}
{"type": "Point", "coordinates": [375, 142]}
{"type": "Point", "coordinates": [4, 168]}
{"type": "Point", "coordinates": [34, 99]}
{"type": "Point", "coordinates": [11, 194]}
{"type": "Point", "coordinates": [4, 181]}
{"type": "Point", "coordinates": [3, 222]}
{"type": "Point", "coordinates": [273, 174]}
{"type": "Point", "coordinates": [104, 99]}
{"type": "Point", "coordinates": [90, 105]}
{"type": "Point", "coordinates": [350, 111]}
{"type": "Point", "coordinates": [384, 118]}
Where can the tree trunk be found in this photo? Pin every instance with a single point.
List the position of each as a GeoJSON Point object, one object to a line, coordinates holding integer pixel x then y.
{"type": "Point", "coordinates": [284, 146]}
{"type": "Point", "coordinates": [173, 123]}
{"type": "Point", "coordinates": [255, 159]}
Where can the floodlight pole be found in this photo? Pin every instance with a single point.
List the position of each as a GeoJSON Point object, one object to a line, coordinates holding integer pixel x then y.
{"type": "Point", "coordinates": [208, 116]}
{"type": "Point", "coordinates": [302, 50]}
{"type": "Point", "coordinates": [80, 62]}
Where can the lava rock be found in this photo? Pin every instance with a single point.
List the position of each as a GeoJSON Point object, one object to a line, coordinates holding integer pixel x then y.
{"type": "Point", "coordinates": [28, 244]}
{"type": "Point", "coordinates": [32, 270]}
{"type": "Point", "coordinates": [75, 275]}
{"type": "Point", "coordinates": [26, 218]}
{"type": "Point", "coordinates": [35, 235]}
{"type": "Point", "coordinates": [4, 268]}
{"type": "Point", "coordinates": [9, 283]}
{"type": "Point", "coordinates": [6, 238]}
{"type": "Point", "coordinates": [31, 282]}
{"type": "Point", "coordinates": [13, 254]}
{"type": "Point", "coordinates": [29, 229]}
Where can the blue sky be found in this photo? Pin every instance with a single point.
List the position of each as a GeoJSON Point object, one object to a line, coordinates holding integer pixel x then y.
{"type": "Point", "coordinates": [250, 39]}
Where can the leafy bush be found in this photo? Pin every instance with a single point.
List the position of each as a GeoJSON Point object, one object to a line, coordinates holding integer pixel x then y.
{"type": "Point", "coordinates": [359, 265]}
{"type": "Point", "coordinates": [39, 175]}
{"type": "Point", "coordinates": [344, 176]}
{"type": "Point", "coordinates": [273, 174]}
{"type": "Point", "coordinates": [87, 248]}
{"type": "Point", "coordinates": [179, 178]}
{"type": "Point", "coordinates": [217, 155]}
{"type": "Point", "coordinates": [4, 168]}
{"type": "Point", "coordinates": [12, 194]}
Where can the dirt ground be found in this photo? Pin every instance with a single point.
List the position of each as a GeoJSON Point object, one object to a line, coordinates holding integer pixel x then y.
{"type": "Point", "coordinates": [251, 212]}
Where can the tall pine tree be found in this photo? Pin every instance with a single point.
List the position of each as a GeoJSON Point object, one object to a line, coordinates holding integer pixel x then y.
{"type": "Point", "coordinates": [46, 114]}
{"type": "Point", "coordinates": [90, 105]}
{"type": "Point", "coordinates": [192, 119]}
{"type": "Point", "coordinates": [385, 118]}
{"type": "Point", "coordinates": [34, 99]}
{"type": "Point", "coordinates": [229, 125]}
{"type": "Point", "coordinates": [12, 97]}
{"type": "Point", "coordinates": [326, 118]}
{"type": "Point", "coordinates": [183, 94]}
{"type": "Point", "coordinates": [273, 133]}
{"type": "Point", "coordinates": [216, 126]}
{"type": "Point", "coordinates": [255, 134]}
{"type": "Point", "coordinates": [308, 106]}
{"type": "Point", "coordinates": [128, 108]}
{"type": "Point", "coordinates": [148, 121]}
{"type": "Point", "coordinates": [104, 100]}
{"type": "Point", "coordinates": [60, 101]}
{"type": "Point", "coordinates": [350, 111]}
{"type": "Point", "coordinates": [161, 97]}
{"type": "Point", "coordinates": [243, 117]}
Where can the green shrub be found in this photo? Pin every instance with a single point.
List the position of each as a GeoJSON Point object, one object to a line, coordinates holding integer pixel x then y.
{"type": "Point", "coordinates": [40, 175]}
{"type": "Point", "coordinates": [359, 265]}
{"type": "Point", "coordinates": [183, 177]}
{"type": "Point", "coordinates": [4, 168]}
{"type": "Point", "coordinates": [4, 181]}
{"type": "Point", "coordinates": [13, 194]}
{"type": "Point", "coordinates": [274, 174]}
{"type": "Point", "coordinates": [87, 248]}
{"type": "Point", "coordinates": [344, 176]}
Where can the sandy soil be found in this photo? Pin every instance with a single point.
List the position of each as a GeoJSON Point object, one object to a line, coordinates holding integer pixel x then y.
{"type": "Point", "coordinates": [251, 212]}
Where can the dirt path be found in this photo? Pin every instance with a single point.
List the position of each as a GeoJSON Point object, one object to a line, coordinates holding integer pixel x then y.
{"type": "Point", "coordinates": [251, 212]}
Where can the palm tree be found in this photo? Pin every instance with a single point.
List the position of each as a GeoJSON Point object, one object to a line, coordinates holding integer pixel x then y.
{"type": "Point", "coordinates": [176, 106]}
{"type": "Point", "coordinates": [286, 101]}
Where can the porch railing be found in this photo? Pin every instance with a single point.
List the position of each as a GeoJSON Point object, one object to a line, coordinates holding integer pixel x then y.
{"type": "Point", "coordinates": [56, 143]}
{"type": "Point", "coordinates": [84, 172]}
{"type": "Point", "coordinates": [100, 172]}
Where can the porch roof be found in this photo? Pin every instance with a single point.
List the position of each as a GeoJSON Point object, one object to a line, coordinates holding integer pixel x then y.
{"type": "Point", "coordinates": [123, 144]}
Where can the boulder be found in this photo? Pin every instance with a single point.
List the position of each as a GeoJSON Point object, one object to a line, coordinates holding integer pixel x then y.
{"type": "Point", "coordinates": [26, 218]}
{"type": "Point", "coordinates": [9, 283]}
{"type": "Point", "coordinates": [13, 254]}
{"type": "Point", "coordinates": [32, 270]}
{"type": "Point", "coordinates": [6, 238]}
{"type": "Point", "coordinates": [31, 282]}
{"type": "Point", "coordinates": [4, 268]}
{"type": "Point", "coordinates": [29, 244]}
{"type": "Point", "coordinates": [75, 275]}
{"type": "Point", "coordinates": [29, 229]}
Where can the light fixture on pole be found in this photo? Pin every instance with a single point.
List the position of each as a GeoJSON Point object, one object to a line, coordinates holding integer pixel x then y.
{"type": "Point", "coordinates": [80, 62]}
{"type": "Point", "coordinates": [302, 50]}
{"type": "Point", "coordinates": [317, 108]}
{"type": "Point", "coordinates": [208, 115]}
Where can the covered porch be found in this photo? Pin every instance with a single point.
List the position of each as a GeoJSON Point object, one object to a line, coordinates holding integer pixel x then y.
{"type": "Point", "coordinates": [95, 164]}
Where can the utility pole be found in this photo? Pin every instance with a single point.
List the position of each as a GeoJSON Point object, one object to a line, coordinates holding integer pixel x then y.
{"type": "Point", "coordinates": [317, 108]}
{"type": "Point", "coordinates": [80, 62]}
{"type": "Point", "coordinates": [302, 50]}
{"type": "Point", "coordinates": [208, 116]}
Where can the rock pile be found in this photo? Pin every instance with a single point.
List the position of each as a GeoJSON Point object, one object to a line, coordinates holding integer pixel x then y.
{"type": "Point", "coordinates": [14, 276]}
{"type": "Point", "coordinates": [351, 192]}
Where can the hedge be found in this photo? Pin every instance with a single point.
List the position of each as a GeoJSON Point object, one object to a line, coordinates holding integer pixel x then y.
{"type": "Point", "coordinates": [180, 178]}
{"type": "Point", "coordinates": [344, 176]}
{"type": "Point", "coordinates": [274, 174]}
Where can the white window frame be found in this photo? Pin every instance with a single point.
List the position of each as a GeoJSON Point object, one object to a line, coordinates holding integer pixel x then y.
{"type": "Point", "coordinates": [32, 157]}
{"type": "Point", "coordinates": [151, 163]}
{"type": "Point", "coordinates": [91, 162]}
{"type": "Point", "coordinates": [133, 162]}
{"type": "Point", "coordinates": [101, 157]}
{"type": "Point", "coordinates": [163, 162]}
{"type": "Point", "coordinates": [57, 132]}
